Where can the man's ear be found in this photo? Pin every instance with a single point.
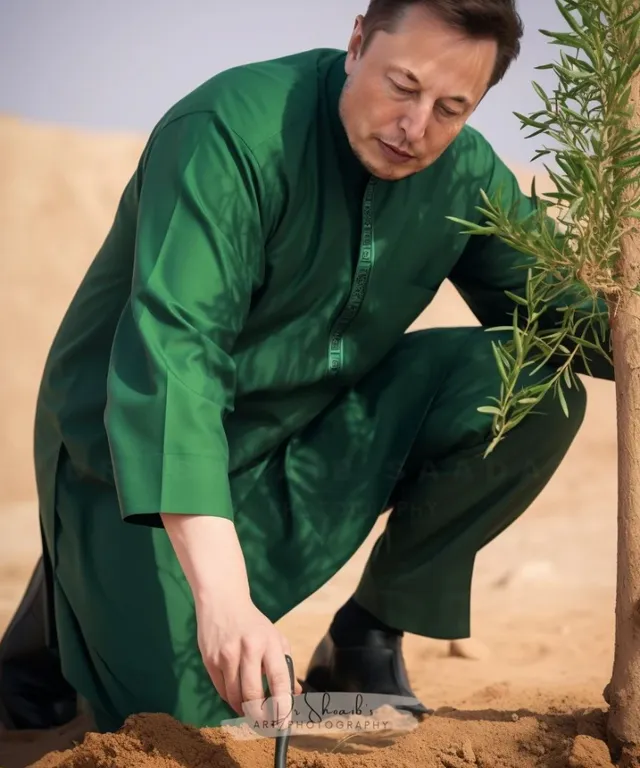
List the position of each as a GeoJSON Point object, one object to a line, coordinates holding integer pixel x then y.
{"type": "Point", "coordinates": [354, 49]}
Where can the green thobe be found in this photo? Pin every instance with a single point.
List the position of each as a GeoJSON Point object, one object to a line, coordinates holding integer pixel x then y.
{"type": "Point", "coordinates": [238, 349]}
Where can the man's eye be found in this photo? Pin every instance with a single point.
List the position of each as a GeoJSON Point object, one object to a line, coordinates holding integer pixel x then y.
{"type": "Point", "coordinates": [448, 112]}
{"type": "Point", "coordinates": [401, 89]}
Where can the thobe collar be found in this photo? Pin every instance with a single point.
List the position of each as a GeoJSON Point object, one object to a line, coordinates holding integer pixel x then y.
{"type": "Point", "coordinates": [335, 80]}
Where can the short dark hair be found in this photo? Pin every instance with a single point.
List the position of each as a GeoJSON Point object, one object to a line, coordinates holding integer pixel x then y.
{"type": "Point", "coordinates": [493, 19]}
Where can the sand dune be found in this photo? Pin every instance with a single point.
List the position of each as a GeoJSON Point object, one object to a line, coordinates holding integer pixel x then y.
{"type": "Point", "coordinates": [58, 193]}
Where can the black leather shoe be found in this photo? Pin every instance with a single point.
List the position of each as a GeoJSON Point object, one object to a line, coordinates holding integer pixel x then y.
{"type": "Point", "coordinates": [33, 691]}
{"type": "Point", "coordinates": [375, 667]}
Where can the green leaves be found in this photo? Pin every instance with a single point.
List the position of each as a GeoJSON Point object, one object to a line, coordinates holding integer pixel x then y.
{"type": "Point", "coordinates": [518, 299]}
{"type": "Point", "coordinates": [571, 276]}
{"type": "Point", "coordinates": [563, 401]}
{"type": "Point", "coordinates": [565, 9]}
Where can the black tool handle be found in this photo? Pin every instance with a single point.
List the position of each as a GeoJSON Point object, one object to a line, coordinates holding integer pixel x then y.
{"type": "Point", "coordinates": [282, 742]}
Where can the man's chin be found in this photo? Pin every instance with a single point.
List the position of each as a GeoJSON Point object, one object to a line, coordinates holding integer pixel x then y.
{"type": "Point", "coordinates": [393, 173]}
{"type": "Point", "coordinates": [384, 171]}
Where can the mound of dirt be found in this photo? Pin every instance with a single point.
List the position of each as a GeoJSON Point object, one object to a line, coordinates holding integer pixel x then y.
{"type": "Point", "coordinates": [449, 739]}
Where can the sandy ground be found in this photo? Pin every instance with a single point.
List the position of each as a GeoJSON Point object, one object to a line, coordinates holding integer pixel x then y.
{"type": "Point", "coordinates": [543, 608]}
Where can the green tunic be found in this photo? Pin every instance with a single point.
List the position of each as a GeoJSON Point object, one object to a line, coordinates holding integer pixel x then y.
{"type": "Point", "coordinates": [254, 273]}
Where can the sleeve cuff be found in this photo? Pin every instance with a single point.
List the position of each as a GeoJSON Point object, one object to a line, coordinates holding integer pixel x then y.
{"type": "Point", "coordinates": [172, 484]}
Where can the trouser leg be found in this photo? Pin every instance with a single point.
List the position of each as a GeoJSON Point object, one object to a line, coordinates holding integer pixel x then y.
{"type": "Point", "coordinates": [125, 614]}
{"type": "Point", "coordinates": [451, 501]}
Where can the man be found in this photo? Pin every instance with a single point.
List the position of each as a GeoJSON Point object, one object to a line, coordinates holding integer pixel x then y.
{"type": "Point", "coordinates": [232, 400]}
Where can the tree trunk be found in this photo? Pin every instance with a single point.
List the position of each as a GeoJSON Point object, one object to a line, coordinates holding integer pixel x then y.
{"type": "Point", "coordinates": [624, 693]}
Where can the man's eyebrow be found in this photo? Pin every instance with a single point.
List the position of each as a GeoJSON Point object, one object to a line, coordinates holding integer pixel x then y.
{"type": "Point", "coordinates": [410, 76]}
{"type": "Point", "coordinates": [460, 99]}
{"type": "Point", "coordinates": [407, 73]}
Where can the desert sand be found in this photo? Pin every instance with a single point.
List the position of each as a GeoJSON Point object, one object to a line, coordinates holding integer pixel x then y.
{"type": "Point", "coordinates": [543, 611]}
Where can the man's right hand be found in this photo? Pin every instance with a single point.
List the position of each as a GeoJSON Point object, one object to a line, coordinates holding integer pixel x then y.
{"type": "Point", "coordinates": [238, 644]}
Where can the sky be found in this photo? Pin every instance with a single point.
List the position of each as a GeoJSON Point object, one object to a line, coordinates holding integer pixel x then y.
{"type": "Point", "coordinates": [118, 65]}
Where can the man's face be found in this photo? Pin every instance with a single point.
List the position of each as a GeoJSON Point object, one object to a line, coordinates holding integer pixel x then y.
{"type": "Point", "coordinates": [412, 91]}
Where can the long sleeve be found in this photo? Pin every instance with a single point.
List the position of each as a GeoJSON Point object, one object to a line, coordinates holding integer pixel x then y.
{"type": "Point", "coordinates": [488, 267]}
{"type": "Point", "coordinates": [171, 377]}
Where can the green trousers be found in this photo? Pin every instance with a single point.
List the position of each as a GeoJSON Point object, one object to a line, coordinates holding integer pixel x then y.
{"type": "Point", "coordinates": [124, 612]}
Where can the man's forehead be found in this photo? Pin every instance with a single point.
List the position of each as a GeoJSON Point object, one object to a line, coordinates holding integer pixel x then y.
{"type": "Point", "coordinates": [423, 48]}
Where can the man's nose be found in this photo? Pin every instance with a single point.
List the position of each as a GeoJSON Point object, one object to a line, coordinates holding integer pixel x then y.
{"type": "Point", "coordinates": [416, 121]}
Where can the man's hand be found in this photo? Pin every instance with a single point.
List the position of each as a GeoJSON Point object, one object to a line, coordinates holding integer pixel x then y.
{"type": "Point", "coordinates": [237, 642]}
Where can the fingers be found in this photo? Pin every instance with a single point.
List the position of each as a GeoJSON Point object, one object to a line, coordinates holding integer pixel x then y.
{"type": "Point", "coordinates": [230, 668]}
{"type": "Point", "coordinates": [237, 664]}
{"type": "Point", "coordinates": [277, 672]}
{"type": "Point", "coordinates": [217, 678]}
{"type": "Point", "coordinates": [236, 675]}
{"type": "Point", "coordinates": [251, 682]}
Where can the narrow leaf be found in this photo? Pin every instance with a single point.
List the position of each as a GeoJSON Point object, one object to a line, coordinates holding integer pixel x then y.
{"type": "Point", "coordinates": [570, 19]}
{"type": "Point", "coordinates": [629, 162]}
{"type": "Point", "coordinates": [516, 298]}
{"type": "Point", "coordinates": [499, 361]}
{"type": "Point", "coordinates": [516, 335]}
{"type": "Point", "coordinates": [489, 409]}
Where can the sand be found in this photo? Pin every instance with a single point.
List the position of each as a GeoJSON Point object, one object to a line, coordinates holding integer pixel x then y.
{"type": "Point", "coordinates": [543, 610]}
{"type": "Point", "coordinates": [449, 740]}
